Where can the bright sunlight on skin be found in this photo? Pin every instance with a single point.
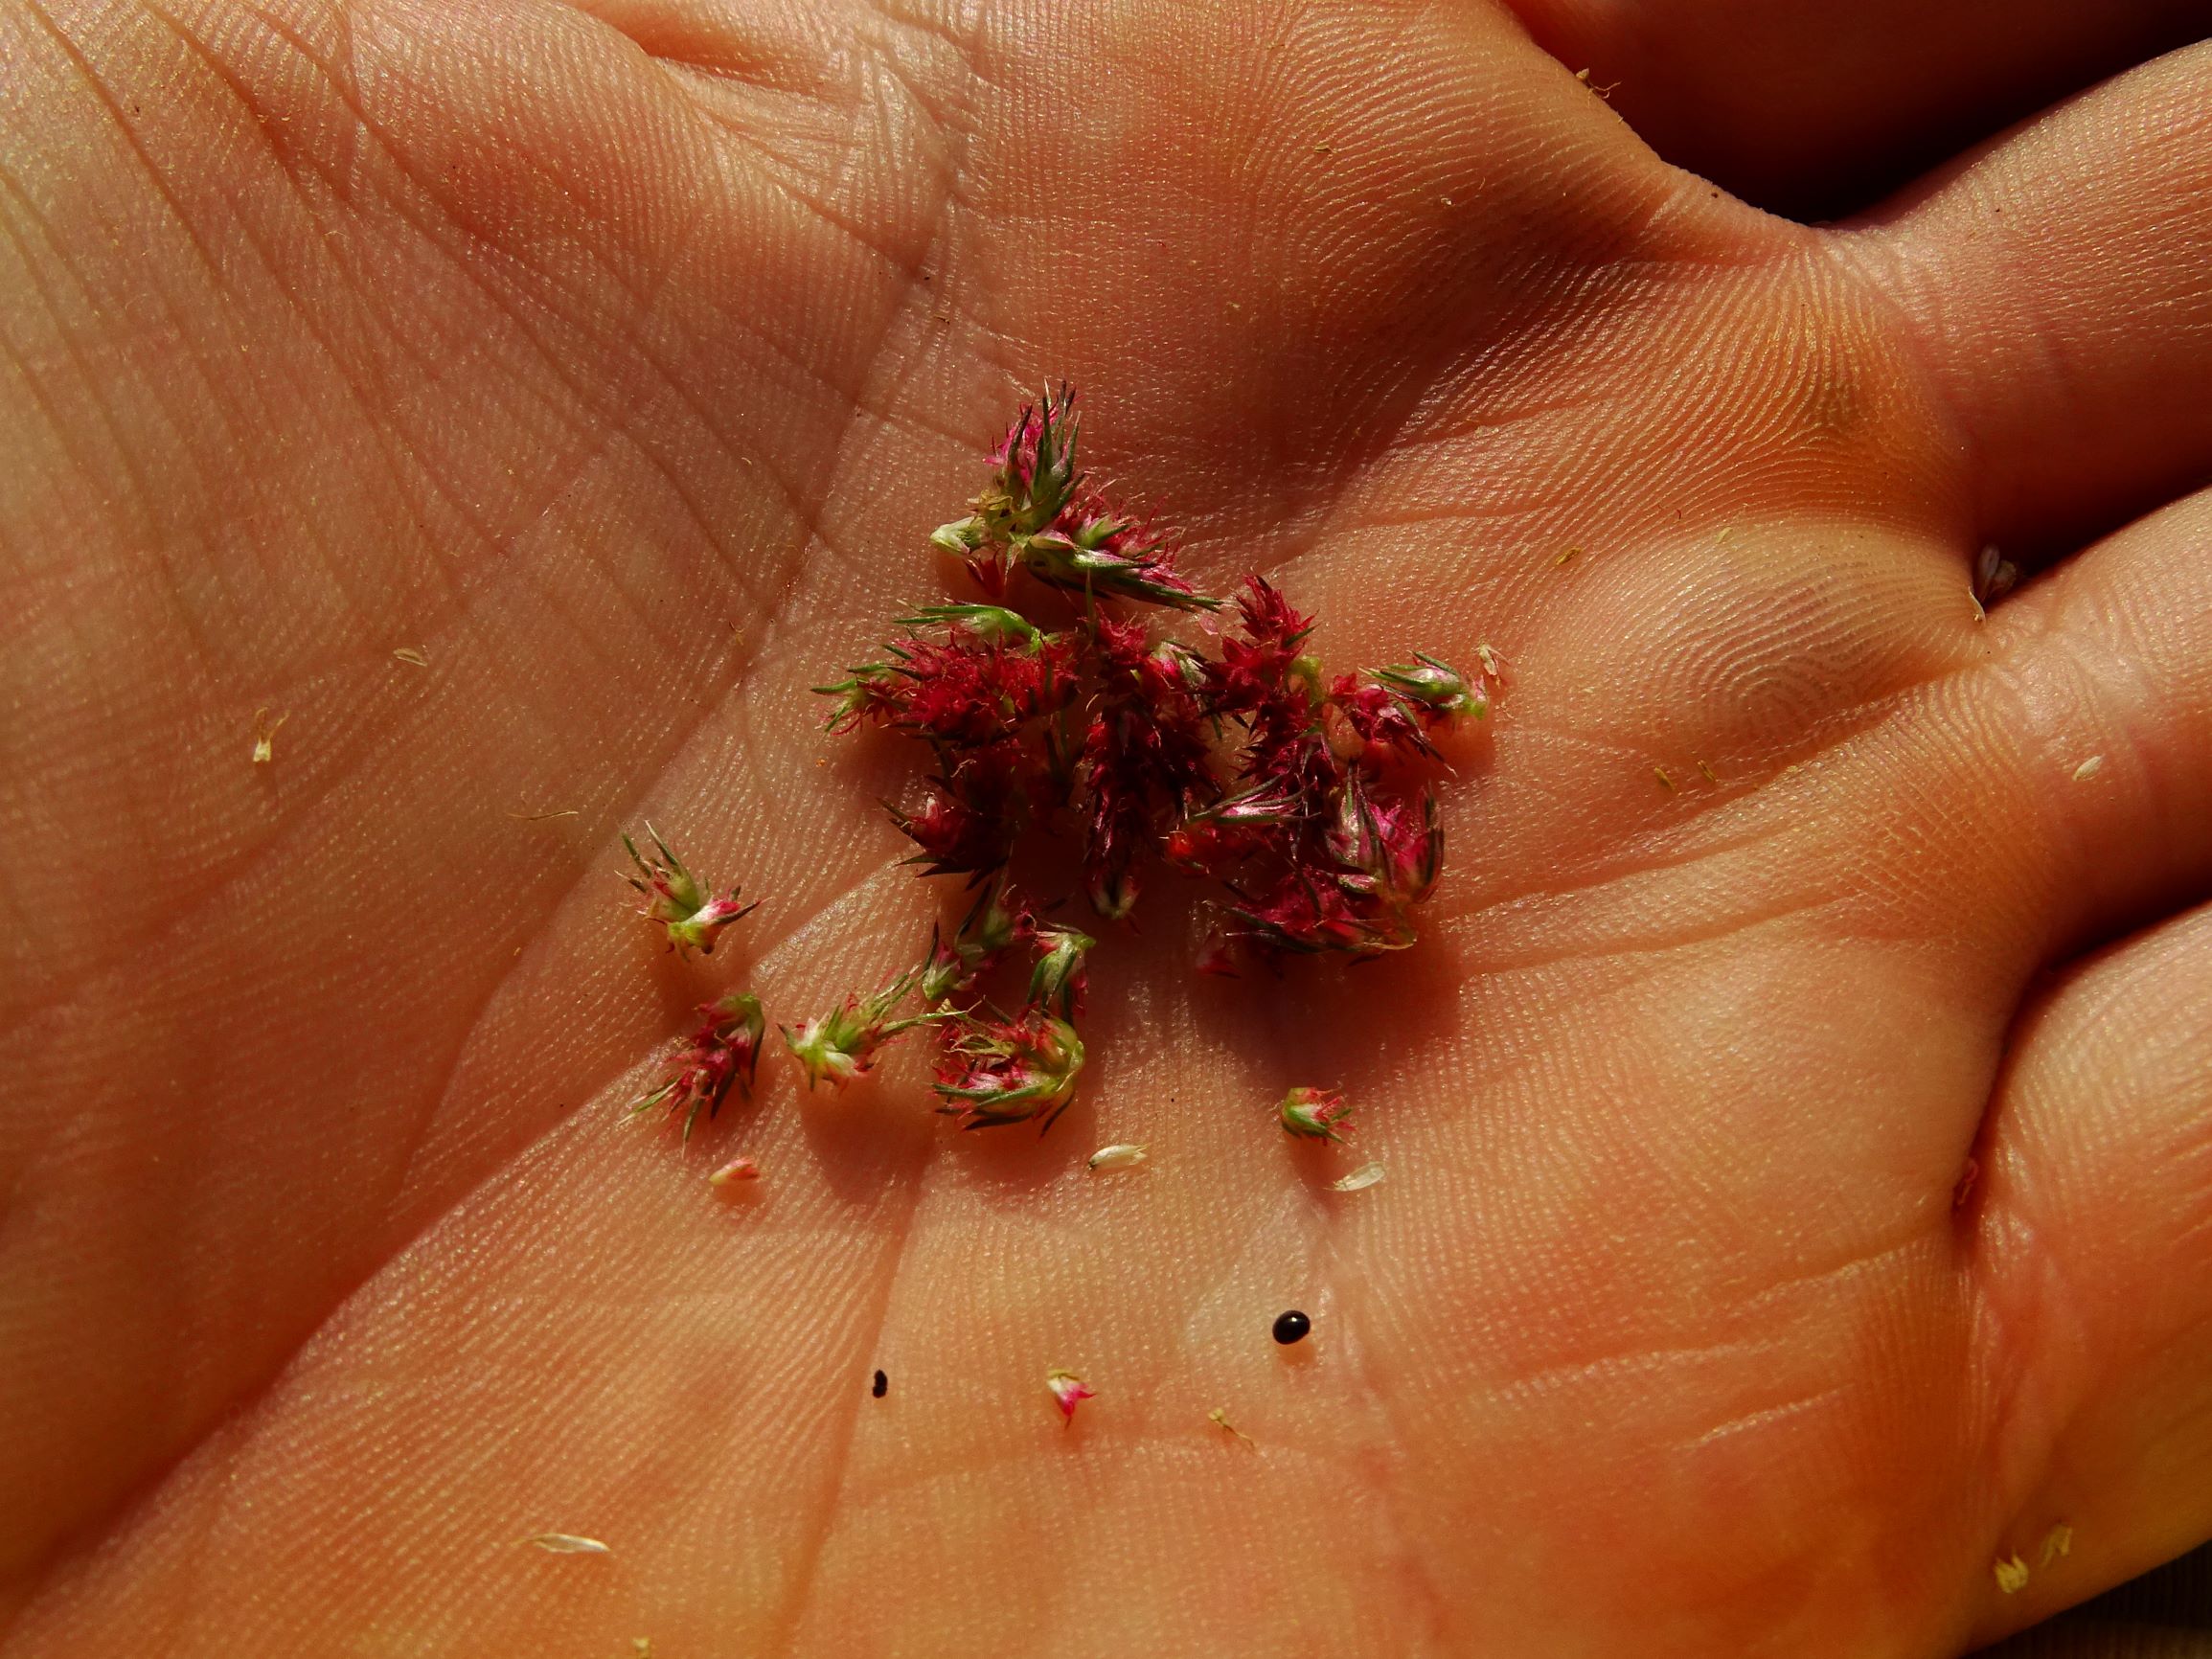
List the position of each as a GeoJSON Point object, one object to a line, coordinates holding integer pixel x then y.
{"type": "Point", "coordinates": [437, 436]}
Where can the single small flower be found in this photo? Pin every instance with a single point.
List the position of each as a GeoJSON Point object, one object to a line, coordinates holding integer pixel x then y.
{"type": "Point", "coordinates": [1315, 1114]}
{"type": "Point", "coordinates": [991, 623]}
{"type": "Point", "coordinates": [1109, 555]}
{"type": "Point", "coordinates": [869, 691]}
{"type": "Point", "coordinates": [735, 1171]}
{"type": "Point", "coordinates": [835, 1048]}
{"type": "Point", "coordinates": [2012, 1575]}
{"type": "Point", "coordinates": [675, 899]}
{"type": "Point", "coordinates": [2057, 1541]}
{"type": "Point", "coordinates": [956, 837]}
{"type": "Point", "coordinates": [724, 1051]}
{"type": "Point", "coordinates": [1391, 850]}
{"type": "Point", "coordinates": [991, 927]}
{"type": "Point", "coordinates": [1056, 982]}
{"type": "Point", "coordinates": [1124, 1156]}
{"type": "Point", "coordinates": [1381, 715]}
{"type": "Point", "coordinates": [1360, 1181]}
{"type": "Point", "coordinates": [1032, 476]}
{"type": "Point", "coordinates": [1439, 691]}
{"type": "Point", "coordinates": [1305, 914]}
{"type": "Point", "coordinates": [942, 973]}
{"type": "Point", "coordinates": [1007, 1071]}
{"type": "Point", "coordinates": [1068, 1390]}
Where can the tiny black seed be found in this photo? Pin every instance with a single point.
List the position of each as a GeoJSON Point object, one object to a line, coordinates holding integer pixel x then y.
{"type": "Point", "coordinates": [1291, 1326]}
{"type": "Point", "coordinates": [881, 1386]}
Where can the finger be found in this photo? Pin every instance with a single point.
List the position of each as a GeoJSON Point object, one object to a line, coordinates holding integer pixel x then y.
{"type": "Point", "coordinates": [1810, 108]}
{"type": "Point", "coordinates": [2059, 289]}
{"type": "Point", "coordinates": [2096, 1229]}
{"type": "Point", "coordinates": [2090, 728]}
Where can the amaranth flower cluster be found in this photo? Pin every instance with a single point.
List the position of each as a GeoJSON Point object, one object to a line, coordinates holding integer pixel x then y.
{"type": "Point", "coordinates": [1052, 702]}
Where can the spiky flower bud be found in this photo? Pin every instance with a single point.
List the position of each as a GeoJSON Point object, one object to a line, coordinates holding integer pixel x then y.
{"type": "Point", "coordinates": [1056, 982]}
{"type": "Point", "coordinates": [1034, 471]}
{"type": "Point", "coordinates": [991, 623]}
{"type": "Point", "coordinates": [1437, 690]}
{"type": "Point", "coordinates": [1313, 1114]}
{"type": "Point", "coordinates": [999, 1071]}
{"type": "Point", "coordinates": [725, 1050]}
{"type": "Point", "coordinates": [1111, 556]}
{"type": "Point", "coordinates": [943, 972]}
{"type": "Point", "coordinates": [1068, 1390]}
{"type": "Point", "coordinates": [675, 899]}
{"type": "Point", "coordinates": [835, 1048]}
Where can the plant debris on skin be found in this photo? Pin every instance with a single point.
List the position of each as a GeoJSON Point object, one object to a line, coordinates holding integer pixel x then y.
{"type": "Point", "coordinates": [567, 1544]}
{"type": "Point", "coordinates": [675, 899]}
{"type": "Point", "coordinates": [1303, 798]}
{"type": "Point", "coordinates": [1068, 1390]}
{"type": "Point", "coordinates": [725, 1050]}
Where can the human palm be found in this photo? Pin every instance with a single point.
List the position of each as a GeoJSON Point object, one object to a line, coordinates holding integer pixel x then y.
{"type": "Point", "coordinates": [619, 365]}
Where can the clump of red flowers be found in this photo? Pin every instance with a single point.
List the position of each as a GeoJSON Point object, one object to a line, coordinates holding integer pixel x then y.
{"type": "Point", "coordinates": [1056, 703]}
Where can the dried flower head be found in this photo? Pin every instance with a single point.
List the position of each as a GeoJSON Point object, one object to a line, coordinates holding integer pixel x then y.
{"type": "Point", "coordinates": [1068, 1390]}
{"type": "Point", "coordinates": [723, 1052]}
{"type": "Point", "coordinates": [673, 898]}
{"type": "Point", "coordinates": [835, 1048]}
{"type": "Point", "coordinates": [1007, 1071]}
{"type": "Point", "coordinates": [1315, 1114]}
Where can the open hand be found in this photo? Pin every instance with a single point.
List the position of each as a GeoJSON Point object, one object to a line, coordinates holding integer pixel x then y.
{"type": "Point", "coordinates": [615, 361]}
